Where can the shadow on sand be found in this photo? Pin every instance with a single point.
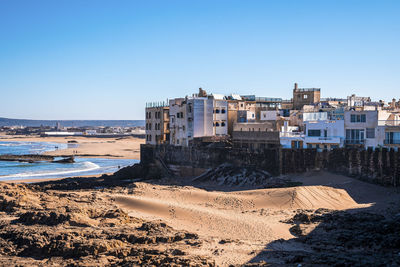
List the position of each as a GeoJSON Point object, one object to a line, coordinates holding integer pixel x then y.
{"type": "Point", "coordinates": [368, 236]}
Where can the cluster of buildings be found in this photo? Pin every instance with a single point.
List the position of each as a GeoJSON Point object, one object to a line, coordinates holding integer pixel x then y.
{"type": "Point", "coordinates": [247, 121]}
{"type": "Point", "coordinates": [89, 131]}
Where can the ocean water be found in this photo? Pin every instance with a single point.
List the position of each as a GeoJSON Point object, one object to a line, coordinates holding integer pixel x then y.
{"type": "Point", "coordinates": [11, 170]}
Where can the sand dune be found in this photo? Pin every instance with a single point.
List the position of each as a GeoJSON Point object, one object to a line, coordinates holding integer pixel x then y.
{"type": "Point", "coordinates": [253, 216]}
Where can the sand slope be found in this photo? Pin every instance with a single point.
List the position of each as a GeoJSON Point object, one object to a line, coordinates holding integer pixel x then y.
{"type": "Point", "coordinates": [253, 216]}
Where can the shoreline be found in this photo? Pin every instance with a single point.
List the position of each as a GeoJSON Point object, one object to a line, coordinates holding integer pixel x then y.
{"type": "Point", "coordinates": [109, 148]}
{"type": "Point", "coordinates": [39, 180]}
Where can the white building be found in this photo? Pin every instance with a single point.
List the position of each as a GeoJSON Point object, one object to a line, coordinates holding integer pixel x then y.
{"type": "Point", "coordinates": [324, 134]}
{"type": "Point", "coordinates": [197, 116]}
{"type": "Point", "coordinates": [357, 101]}
{"type": "Point", "coordinates": [362, 127]}
{"type": "Point", "coordinates": [291, 137]}
{"type": "Point", "coordinates": [315, 116]}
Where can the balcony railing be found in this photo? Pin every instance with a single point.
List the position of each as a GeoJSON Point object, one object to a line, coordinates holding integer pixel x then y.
{"type": "Point", "coordinates": [392, 141]}
{"type": "Point", "coordinates": [388, 123]}
{"type": "Point", "coordinates": [354, 141]}
{"type": "Point", "coordinates": [291, 134]}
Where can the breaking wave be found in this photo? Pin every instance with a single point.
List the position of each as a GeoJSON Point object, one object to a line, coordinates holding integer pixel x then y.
{"type": "Point", "coordinates": [86, 166]}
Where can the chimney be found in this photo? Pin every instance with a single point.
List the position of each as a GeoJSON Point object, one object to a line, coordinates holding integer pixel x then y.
{"type": "Point", "coordinates": [295, 86]}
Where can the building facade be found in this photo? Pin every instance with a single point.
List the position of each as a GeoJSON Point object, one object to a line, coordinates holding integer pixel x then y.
{"type": "Point", "coordinates": [157, 123]}
{"type": "Point", "coordinates": [305, 96]}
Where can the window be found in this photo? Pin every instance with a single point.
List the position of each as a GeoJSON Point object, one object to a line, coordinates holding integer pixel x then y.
{"type": "Point", "coordinates": [222, 124]}
{"type": "Point", "coordinates": [217, 111]}
{"type": "Point", "coordinates": [149, 126]}
{"type": "Point", "coordinates": [181, 115]}
{"type": "Point", "coordinates": [354, 135]}
{"type": "Point", "coordinates": [305, 96]}
{"type": "Point", "coordinates": [223, 111]}
{"type": "Point", "coordinates": [178, 115]}
{"type": "Point", "coordinates": [358, 118]}
{"type": "Point", "coordinates": [314, 132]}
{"type": "Point", "coordinates": [149, 115]}
{"type": "Point", "coordinates": [217, 124]}
{"type": "Point", "coordinates": [183, 128]}
{"type": "Point", "coordinates": [309, 145]}
{"type": "Point", "coordinates": [370, 132]}
{"type": "Point", "coordinates": [296, 144]}
{"type": "Point", "coordinates": [190, 108]}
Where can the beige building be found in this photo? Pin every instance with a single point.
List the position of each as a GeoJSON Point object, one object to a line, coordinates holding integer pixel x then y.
{"type": "Point", "coordinates": [305, 96]}
{"type": "Point", "coordinates": [157, 124]}
{"type": "Point", "coordinates": [256, 135]}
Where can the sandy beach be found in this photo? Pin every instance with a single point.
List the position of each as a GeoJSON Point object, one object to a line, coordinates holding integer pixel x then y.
{"type": "Point", "coordinates": [124, 148]}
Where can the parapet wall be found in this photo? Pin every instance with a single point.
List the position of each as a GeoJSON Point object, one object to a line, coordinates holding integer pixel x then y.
{"type": "Point", "coordinates": [379, 166]}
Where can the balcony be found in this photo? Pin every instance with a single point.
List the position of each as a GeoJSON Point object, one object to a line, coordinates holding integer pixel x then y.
{"type": "Point", "coordinates": [391, 141]}
{"type": "Point", "coordinates": [354, 141]}
{"type": "Point", "coordinates": [323, 140]}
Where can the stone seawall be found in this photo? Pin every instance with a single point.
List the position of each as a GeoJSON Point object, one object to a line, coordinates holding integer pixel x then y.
{"type": "Point", "coordinates": [379, 166]}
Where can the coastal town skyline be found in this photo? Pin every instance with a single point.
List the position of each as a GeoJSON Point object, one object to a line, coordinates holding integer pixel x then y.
{"type": "Point", "coordinates": [103, 60]}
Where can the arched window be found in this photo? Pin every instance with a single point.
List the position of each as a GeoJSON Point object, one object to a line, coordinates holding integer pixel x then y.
{"type": "Point", "coordinates": [222, 124]}
{"type": "Point", "coordinates": [217, 124]}
{"type": "Point", "coordinates": [223, 111]}
{"type": "Point", "coordinates": [217, 111]}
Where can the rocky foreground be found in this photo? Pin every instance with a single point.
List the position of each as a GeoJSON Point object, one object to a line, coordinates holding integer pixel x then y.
{"type": "Point", "coordinates": [40, 226]}
{"type": "Point", "coordinates": [105, 222]}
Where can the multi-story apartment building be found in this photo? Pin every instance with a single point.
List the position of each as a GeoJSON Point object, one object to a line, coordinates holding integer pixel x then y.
{"type": "Point", "coordinates": [198, 116]}
{"type": "Point", "coordinates": [240, 111]}
{"type": "Point", "coordinates": [157, 123]}
{"type": "Point", "coordinates": [362, 127]}
{"type": "Point", "coordinates": [178, 122]}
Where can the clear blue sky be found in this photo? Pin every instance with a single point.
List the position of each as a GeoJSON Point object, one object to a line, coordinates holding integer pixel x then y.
{"type": "Point", "coordinates": [105, 59]}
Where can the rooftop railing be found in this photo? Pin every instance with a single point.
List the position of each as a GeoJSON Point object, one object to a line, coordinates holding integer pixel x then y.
{"type": "Point", "coordinates": [307, 90]}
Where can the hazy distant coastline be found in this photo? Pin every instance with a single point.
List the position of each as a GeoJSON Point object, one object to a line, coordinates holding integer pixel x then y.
{"type": "Point", "coordinates": [71, 123]}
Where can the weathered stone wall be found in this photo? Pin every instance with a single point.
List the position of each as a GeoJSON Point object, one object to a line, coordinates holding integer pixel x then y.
{"type": "Point", "coordinates": [379, 166]}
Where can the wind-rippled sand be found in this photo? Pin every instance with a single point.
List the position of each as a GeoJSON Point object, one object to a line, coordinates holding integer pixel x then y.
{"type": "Point", "coordinates": [248, 220]}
